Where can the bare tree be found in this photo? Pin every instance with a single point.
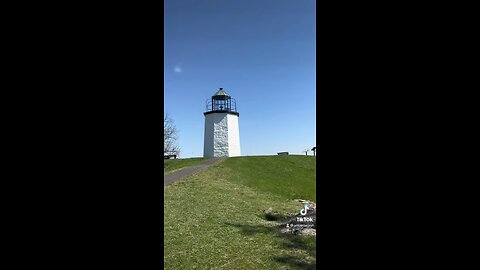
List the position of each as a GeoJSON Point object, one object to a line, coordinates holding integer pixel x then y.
{"type": "Point", "coordinates": [170, 136]}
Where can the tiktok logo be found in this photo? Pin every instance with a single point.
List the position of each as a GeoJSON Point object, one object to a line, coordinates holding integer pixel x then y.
{"type": "Point", "coordinates": [304, 211]}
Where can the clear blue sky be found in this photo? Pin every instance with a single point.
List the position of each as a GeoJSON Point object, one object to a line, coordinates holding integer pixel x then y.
{"type": "Point", "coordinates": [262, 52]}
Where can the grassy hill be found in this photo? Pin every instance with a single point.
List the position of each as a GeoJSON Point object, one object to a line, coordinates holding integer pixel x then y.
{"type": "Point", "coordinates": [215, 219]}
{"type": "Point", "coordinates": [172, 165]}
{"type": "Point", "coordinates": [291, 177]}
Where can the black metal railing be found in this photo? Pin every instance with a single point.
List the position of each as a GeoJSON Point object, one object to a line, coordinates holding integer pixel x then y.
{"type": "Point", "coordinates": [228, 105]}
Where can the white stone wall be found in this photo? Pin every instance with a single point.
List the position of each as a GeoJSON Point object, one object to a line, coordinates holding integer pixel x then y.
{"type": "Point", "coordinates": [208, 136]}
{"type": "Point", "coordinates": [233, 136]}
{"type": "Point", "coordinates": [221, 137]}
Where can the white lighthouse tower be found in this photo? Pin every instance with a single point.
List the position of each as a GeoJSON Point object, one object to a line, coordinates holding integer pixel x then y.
{"type": "Point", "coordinates": [222, 138]}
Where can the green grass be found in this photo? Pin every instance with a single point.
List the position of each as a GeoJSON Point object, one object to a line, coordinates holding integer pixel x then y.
{"type": "Point", "coordinates": [292, 177]}
{"type": "Point", "coordinates": [171, 165]}
{"type": "Point", "coordinates": [215, 219]}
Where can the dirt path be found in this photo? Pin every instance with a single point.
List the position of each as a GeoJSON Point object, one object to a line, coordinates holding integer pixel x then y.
{"type": "Point", "coordinates": [168, 179]}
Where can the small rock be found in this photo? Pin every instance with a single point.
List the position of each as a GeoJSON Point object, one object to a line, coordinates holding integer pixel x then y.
{"type": "Point", "coordinates": [309, 231]}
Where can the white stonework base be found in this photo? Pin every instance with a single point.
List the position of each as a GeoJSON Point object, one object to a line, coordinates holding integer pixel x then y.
{"type": "Point", "coordinates": [222, 138]}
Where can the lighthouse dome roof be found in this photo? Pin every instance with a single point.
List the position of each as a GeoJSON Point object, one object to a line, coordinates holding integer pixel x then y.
{"type": "Point", "coordinates": [221, 92]}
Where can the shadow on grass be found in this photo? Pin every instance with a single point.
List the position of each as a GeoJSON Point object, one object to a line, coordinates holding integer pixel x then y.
{"type": "Point", "coordinates": [270, 216]}
{"type": "Point", "coordinates": [286, 242]}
